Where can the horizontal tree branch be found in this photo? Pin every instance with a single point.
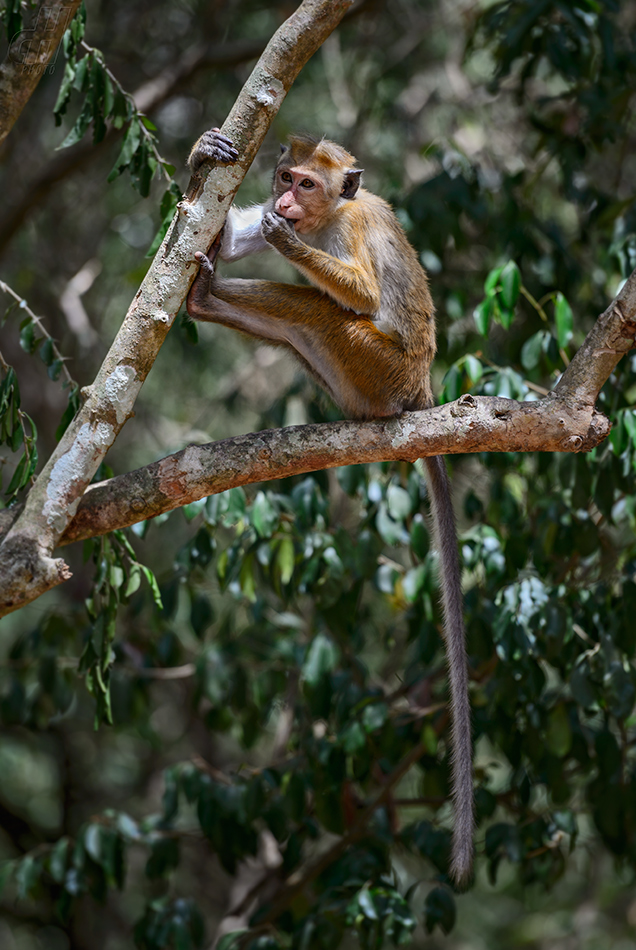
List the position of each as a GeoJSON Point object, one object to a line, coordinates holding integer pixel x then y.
{"type": "Point", "coordinates": [471, 424]}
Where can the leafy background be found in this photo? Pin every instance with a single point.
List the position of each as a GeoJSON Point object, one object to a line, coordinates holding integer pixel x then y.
{"type": "Point", "coordinates": [259, 662]}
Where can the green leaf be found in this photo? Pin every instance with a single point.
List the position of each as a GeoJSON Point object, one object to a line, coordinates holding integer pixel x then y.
{"type": "Point", "coordinates": [366, 904]}
{"type": "Point", "coordinates": [285, 559]}
{"type": "Point", "coordinates": [294, 791]}
{"type": "Point", "coordinates": [128, 149]}
{"type": "Point", "coordinates": [352, 738]}
{"type": "Point", "coordinates": [46, 352]}
{"type": "Point", "coordinates": [55, 369]}
{"type": "Point", "coordinates": [167, 208]}
{"type": "Point", "coordinates": [28, 340]}
{"type": "Point", "coordinates": [134, 580]}
{"type": "Point", "coordinates": [64, 93]}
{"type": "Point", "coordinates": [264, 516]}
{"type": "Point", "coordinates": [195, 508]}
{"type": "Point", "coordinates": [154, 587]}
{"type": "Point", "coordinates": [69, 413]}
{"type": "Point", "coordinates": [419, 536]}
{"type": "Point", "coordinates": [81, 124]}
{"type": "Point", "coordinates": [510, 279]}
{"type": "Point", "coordinates": [490, 284]}
{"type": "Point", "coordinates": [474, 368]}
{"type": "Point", "coordinates": [558, 737]}
{"type": "Point", "coordinates": [81, 74]}
{"type": "Point", "coordinates": [581, 686]}
{"type": "Point", "coordinates": [13, 17]}
{"type": "Point", "coordinates": [164, 857]}
{"type": "Point", "coordinates": [27, 875]}
{"type": "Point", "coordinates": [93, 842]}
{"type": "Point", "coordinates": [20, 476]}
{"type": "Point", "coordinates": [482, 314]}
{"type": "Point", "coordinates": [452, 384]}
{"type": "Point", "coordinates": [564, 320]}
{"type": "Point", "coordinates": [531, 350]}
{"type": "Point", "coordinates": [122, 110]}
{"type": "Point", "coordinates": [413, 582]}
{"type": "Point", "coordinates": [322, 657]}
{"type": "Point", "coordinates": [398, 502]}
{"type": "Point", "coordinates": [127, 827]}
{"type": "Point", "coordinates": [506, 317]}
{"type": "Point", "coordinates": [439, 910]}
{"type": "Point", "coordinates": [109, 95]}
{"type": "Point", "coordinates": [374, 716]}
{"type": "Point", "coordinates": [392, 532]}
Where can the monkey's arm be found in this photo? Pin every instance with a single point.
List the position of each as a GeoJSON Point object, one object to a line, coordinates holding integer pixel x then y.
{"type": "Point", "coordinates": [353, 286]}
{"type": "Point", "coordinates": [242, 233]}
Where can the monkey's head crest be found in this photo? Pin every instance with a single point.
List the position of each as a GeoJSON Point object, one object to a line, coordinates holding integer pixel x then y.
{"type": "Point", "coordinates": [333, 159]}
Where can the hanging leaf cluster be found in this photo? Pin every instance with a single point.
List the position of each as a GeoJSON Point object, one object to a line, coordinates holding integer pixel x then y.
{"type": "Point", "coordinates": [106, 102]}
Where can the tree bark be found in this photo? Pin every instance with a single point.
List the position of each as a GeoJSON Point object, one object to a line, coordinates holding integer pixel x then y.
{"type": "Point", "coordinates": [470, 424]}
{"type": "Point", "coordinates": [29, 56]}
{"type": "Point", "coordinates": [27, 568]}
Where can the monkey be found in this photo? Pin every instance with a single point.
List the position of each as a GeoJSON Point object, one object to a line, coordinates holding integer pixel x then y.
{"type": "Point", "coordinates": [365, 330]}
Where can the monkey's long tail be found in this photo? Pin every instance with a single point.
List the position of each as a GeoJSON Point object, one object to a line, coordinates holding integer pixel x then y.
{"type": "Point", "coordinates": [452, 602]}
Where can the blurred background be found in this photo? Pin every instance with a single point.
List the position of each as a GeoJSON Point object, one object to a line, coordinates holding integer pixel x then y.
{"type": "Point", "coordinates": [299, 628]}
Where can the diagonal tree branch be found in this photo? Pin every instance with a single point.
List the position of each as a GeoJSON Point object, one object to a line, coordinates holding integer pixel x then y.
{"type": "Point", "coordinates": [27, 568]}
{"type": "Point", "coordinates": [29, 55]}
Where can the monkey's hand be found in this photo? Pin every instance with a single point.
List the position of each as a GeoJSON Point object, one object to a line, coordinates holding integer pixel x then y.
{"type": "Point", "coordinates": [214, 148]}
{"type": "Point", "coordinates": [279, 232]}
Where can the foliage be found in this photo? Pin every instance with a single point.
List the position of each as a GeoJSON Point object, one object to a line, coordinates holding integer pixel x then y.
{"type": "Point", "coordinates": [105, 99]}
{"type": "Point", "coordinates": [277, 695]}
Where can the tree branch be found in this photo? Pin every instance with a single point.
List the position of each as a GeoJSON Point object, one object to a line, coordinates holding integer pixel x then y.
{"type": "Point", "coordinates": [29, 54]}
{"type": "Point", "coordinates": [26, 566]}
{"type": "Point", "coordinates": [471, 424]}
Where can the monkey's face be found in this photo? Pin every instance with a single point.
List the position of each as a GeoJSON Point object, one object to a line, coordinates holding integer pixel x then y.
{"type": "Point", "coordinates": [301, 197]}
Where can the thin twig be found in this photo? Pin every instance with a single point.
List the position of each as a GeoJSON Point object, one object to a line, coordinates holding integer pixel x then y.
{"type": "Point", "coordinates": [23, 305]}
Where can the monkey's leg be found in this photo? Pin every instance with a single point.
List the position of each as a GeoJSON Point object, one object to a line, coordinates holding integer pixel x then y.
{"type": "Point", "coordinates": [367, 373]}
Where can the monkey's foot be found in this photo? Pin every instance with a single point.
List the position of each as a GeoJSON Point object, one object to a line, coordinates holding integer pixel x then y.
{"type": "Point", "coordinates": [207, 265]}
{"type": "Point", "coordinates": [208, 260]}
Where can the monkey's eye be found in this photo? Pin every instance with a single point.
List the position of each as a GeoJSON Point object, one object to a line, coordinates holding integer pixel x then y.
{"type": "Point", "coordinates": [307, 183]}
{"type": "Point", "coordinates": [285, 176]}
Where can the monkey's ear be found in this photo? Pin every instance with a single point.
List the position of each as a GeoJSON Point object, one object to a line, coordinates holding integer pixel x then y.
{"type": "Point", "coordinates": [283, 148]}
{"type": "Point", "coordinates": [351, 183]}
